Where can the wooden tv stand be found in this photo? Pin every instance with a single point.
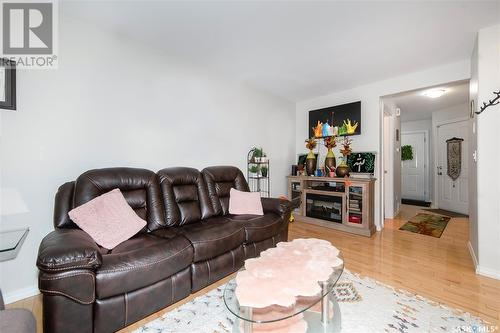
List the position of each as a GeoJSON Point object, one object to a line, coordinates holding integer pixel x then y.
{"type": "Point", "coordinates": [345, 204]}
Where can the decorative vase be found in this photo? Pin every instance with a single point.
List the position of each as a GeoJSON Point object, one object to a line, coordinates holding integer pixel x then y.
{"type": "Point", "coordinates": [342, 170]}
{"type": "Point", "coordinates": [330, 162]}
{"type": "Point", "coordinates": [310, 163]}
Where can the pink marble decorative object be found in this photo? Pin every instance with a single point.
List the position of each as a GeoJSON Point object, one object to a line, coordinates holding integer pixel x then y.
{"type": "Point", "coordinates": [289, 270]}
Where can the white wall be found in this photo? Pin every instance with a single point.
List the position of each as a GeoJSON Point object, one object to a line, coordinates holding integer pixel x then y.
{"type": "Point", "coordinates": [387, 165]}
{"type": "Point", "coordinates": [391, 164]}
{"type": "Point", "coordinates": [452, 113]}
{"type": "Point", "coordinates": [397, 190]}
{"type": "Point", "coordinates": [371, 115]}
{"type": "Point", "coordinates": [416, 125]}
{"type": "Point", "coordinates": [488, 152]}
{"type": "Point", "coordinates": [423, 125]}
{"type": "Point", "coordinates": [115, 102]}
{"type": "Point", "coordinates": [472, 165]}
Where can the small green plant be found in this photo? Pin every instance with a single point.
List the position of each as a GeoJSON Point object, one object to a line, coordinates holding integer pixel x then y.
{"type": "Point", "coordinates": [406, 153]}
{"type": "Point", "coordinates": [254, 169]}
{"type": "Point", "coordinates": [263, 171]}
{"type": "Point", "coordinates": [258, 152]}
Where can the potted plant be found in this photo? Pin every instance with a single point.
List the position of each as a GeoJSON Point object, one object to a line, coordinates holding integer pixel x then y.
{"type": "Point", "coordinates": [343, 169]}
{"type": "Point", "coordinates": [257, 154]}
{"type": "Point", "coordinates": [263, 171]}
{"type": "Point", "coordinates": [330, 163]}
{"type": "Point", "coordinates": [311, 158]}
{"type": "Point", "coordinates": [254, 170]}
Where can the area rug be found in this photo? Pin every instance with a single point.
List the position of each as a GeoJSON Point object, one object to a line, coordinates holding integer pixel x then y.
{"type": "Point", "coordinates": [366, 306]}
{"type": "Point", "coordinates": [445, 212]}
{"type": "Point", "coordinates": [426, 224]}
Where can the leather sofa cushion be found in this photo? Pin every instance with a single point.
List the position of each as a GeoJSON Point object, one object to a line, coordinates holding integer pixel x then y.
{"type": "Point", "coordinates": [257, 228]}
{"type": "Point", "coordinates": [141, 261]}
{"type": "Point", "coordinates": [220, 180]}
{"type": "Point", "coordinates": [211, 237]}
{"type": "Point", "coordinates": [185, 196]}
{"type": "Point", "coordinates": [140, 187]}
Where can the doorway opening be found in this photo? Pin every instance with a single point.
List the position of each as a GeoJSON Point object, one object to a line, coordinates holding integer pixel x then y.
{"type": "Point", "coordinates": [426, 149]}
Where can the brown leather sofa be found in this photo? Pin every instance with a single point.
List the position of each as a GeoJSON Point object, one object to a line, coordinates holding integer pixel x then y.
{"type": "Point", "coordinates": [190, 241]}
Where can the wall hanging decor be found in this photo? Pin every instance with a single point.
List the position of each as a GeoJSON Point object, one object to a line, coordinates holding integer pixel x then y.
{"type": "Point", "coordinates": [491, 102]}
{"type": "Point", "coordinates": [362, 163]}
{"type": "Point", "coordinates": [406, 153]}
{"type": "Point", "coordinates": [339, 120]}
{"type": "Point", "coordinates": [454, 157]}
{"type": "Point", "coordinates": [7, 84]}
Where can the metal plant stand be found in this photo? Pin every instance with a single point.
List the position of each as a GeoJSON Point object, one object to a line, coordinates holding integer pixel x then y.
{"type": "Point", "coordinates": [258, 181]}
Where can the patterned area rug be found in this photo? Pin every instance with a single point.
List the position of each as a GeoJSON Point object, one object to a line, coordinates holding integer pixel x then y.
{"type": "Point", "coordinates": [426, 224]}
{"type": "Point", "coordinates": [366, 305]}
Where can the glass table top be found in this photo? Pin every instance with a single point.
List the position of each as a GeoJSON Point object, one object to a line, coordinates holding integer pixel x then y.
{"type": "Point", "coordinates": [274, 313]}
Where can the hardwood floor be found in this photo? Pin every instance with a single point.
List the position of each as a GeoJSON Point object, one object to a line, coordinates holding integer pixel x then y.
{"type": "Point", "coordinates": [440, 269]}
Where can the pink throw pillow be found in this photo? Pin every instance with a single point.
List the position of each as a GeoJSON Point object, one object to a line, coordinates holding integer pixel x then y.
{"type": "Point", "coordinates": [245, 203]}
{"type": "Point", "coordinates": [108, 219]}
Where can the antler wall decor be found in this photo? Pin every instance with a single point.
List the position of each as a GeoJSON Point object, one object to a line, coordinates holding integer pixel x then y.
{"type": "Point", "coordinates": [491, 102]}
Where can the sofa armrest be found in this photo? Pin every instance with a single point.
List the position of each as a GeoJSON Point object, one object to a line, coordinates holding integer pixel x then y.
{"type": "Point", "coordinates": [68, 249]}
{"type": "Point", "coordinates": [281, 207]}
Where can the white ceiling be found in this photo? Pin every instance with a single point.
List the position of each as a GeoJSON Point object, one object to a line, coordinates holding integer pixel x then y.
{"type": "Point", "coordinates": [300, 49]}
{"type": "Point", "coordinates": [415, 106]}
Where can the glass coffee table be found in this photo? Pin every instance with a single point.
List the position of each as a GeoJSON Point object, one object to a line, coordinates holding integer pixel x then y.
{"type": "Point", "coordinates": [321, 312]}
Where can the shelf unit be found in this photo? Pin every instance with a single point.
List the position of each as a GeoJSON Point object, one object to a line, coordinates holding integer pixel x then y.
{"type": "Point", "coordinates": [345, 204]}
{"type": "Point", "coordinates": [258, 183]}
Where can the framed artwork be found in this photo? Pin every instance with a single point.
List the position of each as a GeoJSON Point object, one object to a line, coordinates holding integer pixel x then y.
{"type": "Point", "coordinates": [338, 120]}
{"type": "Point", "coordinates": [362, 162]}
{"type": "Point", "coordinates": [7, 84]}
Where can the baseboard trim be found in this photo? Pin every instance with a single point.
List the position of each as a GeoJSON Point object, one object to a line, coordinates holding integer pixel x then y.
{"type": "Point", "coordinates": [20, 294]}
{"type": "Point", "coordinates": [473, 255]}
{"type": "Point", "coordinates": [488, 272]}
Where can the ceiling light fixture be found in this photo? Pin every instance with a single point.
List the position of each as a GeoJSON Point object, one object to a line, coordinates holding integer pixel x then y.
{"type": "Point", "coordinates": [434, 93]}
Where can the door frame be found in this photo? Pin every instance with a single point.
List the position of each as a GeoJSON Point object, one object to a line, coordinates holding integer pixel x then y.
{"type": "Point", "coordinates": [435, 202]}
{"type": "Point", "coordinates": [427, 190]}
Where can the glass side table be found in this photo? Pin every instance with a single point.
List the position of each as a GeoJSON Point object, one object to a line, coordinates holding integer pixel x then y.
{"type": "Point", "coordinates": [11, 242]}
{"type": "Point", "coordinates": [324, 320]}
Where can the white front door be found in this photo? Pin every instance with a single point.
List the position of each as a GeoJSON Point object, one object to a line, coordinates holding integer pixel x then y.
{"type": "Point", "coordinates": [452, 195]}
{"type": "Point", "coordinates": [413, 172]}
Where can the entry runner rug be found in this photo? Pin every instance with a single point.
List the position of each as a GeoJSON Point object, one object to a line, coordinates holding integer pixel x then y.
{"type": "Point", "coordinates": [426, 224]}
{"type": "Point", "coordinates": [366, 306]}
